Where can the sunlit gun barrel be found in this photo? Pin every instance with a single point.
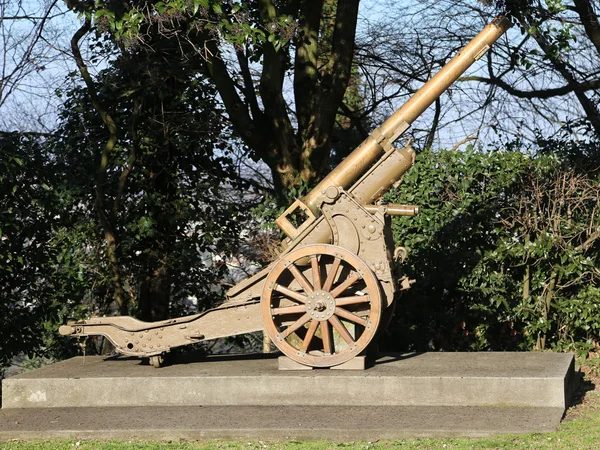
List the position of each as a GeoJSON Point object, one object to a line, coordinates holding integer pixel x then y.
{"type": "Point", "coordinates": [381, 139]}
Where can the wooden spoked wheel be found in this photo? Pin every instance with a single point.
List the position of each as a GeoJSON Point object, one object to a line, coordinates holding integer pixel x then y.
{"type": "Point", "coordinates": [321, 305]}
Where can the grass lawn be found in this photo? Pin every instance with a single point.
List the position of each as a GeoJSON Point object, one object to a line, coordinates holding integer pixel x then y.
{"type": "Point", "coordinates": [579, 430]}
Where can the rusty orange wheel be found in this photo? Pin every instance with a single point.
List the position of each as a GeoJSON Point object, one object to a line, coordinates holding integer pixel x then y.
{"type": "Point", "coordinates": [321, 305]}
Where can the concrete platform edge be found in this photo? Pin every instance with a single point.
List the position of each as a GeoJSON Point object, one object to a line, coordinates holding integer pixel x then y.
{"type": "Point", "coordinates": [336, 435]}
{"type": "Point", "coordinates": [344, 423]}
{"type": "Point", "coordinates": [389, 391]}
{"type": "Point", "coordinates": [207, 384]}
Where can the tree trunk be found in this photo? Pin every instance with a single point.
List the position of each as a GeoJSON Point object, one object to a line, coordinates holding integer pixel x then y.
{"type": "Point", "coordinates": [547, 306]}
{"type": "Point", "coordinates": [155, 294]}
{"type": "Point", "coordinates": [527, 274]}
{"type": "Point", "coordinates": [322, 69]}
{"type": "Point", "coordinates": [106, 221]}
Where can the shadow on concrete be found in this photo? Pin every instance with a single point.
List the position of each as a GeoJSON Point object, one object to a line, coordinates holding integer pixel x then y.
{"type": "Point", "coordinates": [190, 358]}
{"type": "Point", "coordinates": [386, 358]}
{"type": "Point", "coordinates": [197, 357]}
{"type": "Point", "coordinates": [120, 358]}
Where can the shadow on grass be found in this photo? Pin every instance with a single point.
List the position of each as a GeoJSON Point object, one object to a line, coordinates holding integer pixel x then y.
{"type": "Point", "coordinates": [579, 395]}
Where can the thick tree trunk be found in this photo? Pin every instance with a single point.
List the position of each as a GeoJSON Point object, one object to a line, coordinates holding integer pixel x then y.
{"type": "Point", "coordinates": [589, 19]}
{"type": "Point", "coordinates": [155, 295]}
{"type": "Point", "coordinates": [322, 70]}
{"type": "Point", "coordinates": [155, 287]}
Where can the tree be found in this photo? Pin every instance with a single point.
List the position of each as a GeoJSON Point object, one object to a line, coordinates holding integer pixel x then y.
{"type": "Point", "coordinates": [550, 27]}
{"type": "Point", "coordinates": [177, 44]}
{"type": "Point", "coordinates": [248, 50]}
{"type": "Point", "coordinates": [158, 186]}
{"type": "Point", "coordinates": [41, 283]}
{"type": "Point", "coordinates": [543, 75]}
{"type": "Point", "coordinates": [33, 62]}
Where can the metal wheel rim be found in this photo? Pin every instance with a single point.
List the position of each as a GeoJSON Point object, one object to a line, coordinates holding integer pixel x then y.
{"type": "Point", "coordinates": [329, 324]}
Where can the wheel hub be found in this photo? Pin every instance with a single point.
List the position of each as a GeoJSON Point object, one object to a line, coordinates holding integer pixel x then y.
{"type": "Point", "coordinates": [320, 305]}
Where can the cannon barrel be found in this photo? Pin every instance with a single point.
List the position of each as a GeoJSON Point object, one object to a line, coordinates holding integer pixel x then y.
{"type": "Point", "coordinates": [381, 139]}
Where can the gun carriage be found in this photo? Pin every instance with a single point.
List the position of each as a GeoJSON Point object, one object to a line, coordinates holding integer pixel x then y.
{"type": "Point", "coordinates": [335, 284]}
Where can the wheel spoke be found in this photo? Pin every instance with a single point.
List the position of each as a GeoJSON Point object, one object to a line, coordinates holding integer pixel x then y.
{"type": "Point", "coordinates": [291, 294]}
{"type": "Point", "coordinates": [332, 273]}
{"type": "Point", "coordinates": [339, 326]}
{"type": "Point", "coordinates": [343, 301]}
{"type": "Point", "coordinates": [350, 316]}
{"type": "Point", "coordinates": [309, 334]}
{"type": "Point", "coordinates": [297, 324]}
{"type": "Point", "coordinates": [316, 273]}
{"type": "Point", "coordinates": [300, 278]}
{"type": "Point", "coordinates": [326, 337]}
{"type": "Point", "coordinates": [288, 310]}
{"type": "Point", "coordinates": [346, 284]}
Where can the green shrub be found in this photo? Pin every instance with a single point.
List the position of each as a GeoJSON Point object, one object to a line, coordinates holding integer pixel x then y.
{"type": "Point", "coordinates": [505, 251]}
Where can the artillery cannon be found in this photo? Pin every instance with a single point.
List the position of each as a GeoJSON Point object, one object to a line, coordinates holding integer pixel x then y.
{"type": "Point", "coordinates": [335, 284]}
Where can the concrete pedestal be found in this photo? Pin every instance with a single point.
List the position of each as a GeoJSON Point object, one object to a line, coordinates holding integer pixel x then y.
{"type": "Point", "coordinates": [430, 394]}
{"type": "Point", "coordinates": [428, 379]}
